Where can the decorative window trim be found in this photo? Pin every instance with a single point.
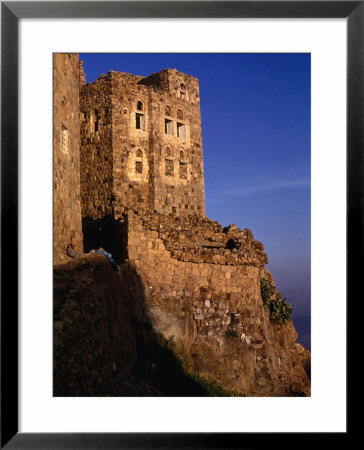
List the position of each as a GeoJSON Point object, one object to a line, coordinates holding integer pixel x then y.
{"type": "Point", "coordinates": [182, 170]}
{"type": "Point", "coordinates": [169, 167]}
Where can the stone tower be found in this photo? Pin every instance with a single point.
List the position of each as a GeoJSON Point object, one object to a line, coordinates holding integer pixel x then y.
{"type": "Point", "coordinates": [141, 145]}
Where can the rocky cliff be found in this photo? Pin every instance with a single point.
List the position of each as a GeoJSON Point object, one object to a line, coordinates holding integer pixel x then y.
{"type": "Point", "coordinates": [191, 306]}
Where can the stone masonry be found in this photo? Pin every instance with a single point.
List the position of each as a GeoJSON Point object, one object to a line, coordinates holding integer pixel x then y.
{"type": "Point", "coordinates": [142, 193]}
{"type": "Point", "coordinates": [202, 281]}
{"type": "Point", "coordinates": [66, 154]}
{"type": "Point", "coordinates": [141, 145]}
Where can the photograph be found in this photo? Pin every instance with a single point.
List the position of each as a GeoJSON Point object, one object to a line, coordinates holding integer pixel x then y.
{"type": "Point", "coordinates": [182, 224]}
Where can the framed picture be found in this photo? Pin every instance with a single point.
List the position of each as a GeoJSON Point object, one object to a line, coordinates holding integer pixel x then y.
{"type": "Point", "coordinates": [171, 430]}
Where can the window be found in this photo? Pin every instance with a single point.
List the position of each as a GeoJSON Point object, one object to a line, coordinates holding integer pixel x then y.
{"type": "Point", "coordinates": [169, 152]}
{"type": "Point", "coordinates": [167, 111]}
{"type": "Point", "coordinates": [181, 130]}
{"type": "Point", "coordinates": [182, 155]}
{"type": "Point", "coordinates": [64, 139]}
{"type": "Point", "coordinates": [95, 121]}
{"type": "Point", "coordinates": [139, 166]}
{"type": "Point", "coordinates": [139, 161]}
{"type": "Point", "coordinates": [168, 126]}
{"type": "Point", "coordinates": [180, 114]}
{"type": "Point", "coordinates": [169, 169]}
{"type": "Point", "coordinates": [182, 92]}
{"type": "Point", "coordinates": [140, 121]}
{"type": "Point", "coordinates": [140, 106]}
{"type": "Point", "coordinates": [183, 170]}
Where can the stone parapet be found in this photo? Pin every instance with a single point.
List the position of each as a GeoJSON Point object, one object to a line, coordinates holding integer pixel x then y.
{"type": "Point", "coordinates": [201, 240]}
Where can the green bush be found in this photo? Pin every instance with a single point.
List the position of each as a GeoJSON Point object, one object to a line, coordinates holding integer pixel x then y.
{"type": "Point", "coordinates": [266, 290]}
{"type": "Point", "coordinates": [279, 309]}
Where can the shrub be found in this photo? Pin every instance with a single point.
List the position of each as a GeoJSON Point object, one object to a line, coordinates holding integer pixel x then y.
{"type": "Point", "coordinates": [266, 290]}
{"type": "Point", "coordinates": [279, 309]}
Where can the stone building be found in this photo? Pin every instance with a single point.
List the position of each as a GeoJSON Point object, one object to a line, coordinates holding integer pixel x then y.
{"type": "Point", "coordinates": [141, 145]}
{"type": "Point", "coordinates": [141, 183]}
{"type": "Point", "coordinates": [66, 155]}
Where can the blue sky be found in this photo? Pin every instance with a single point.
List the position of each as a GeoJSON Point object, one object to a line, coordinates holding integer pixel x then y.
{"type": "Point", "coordinates": [255, 111]}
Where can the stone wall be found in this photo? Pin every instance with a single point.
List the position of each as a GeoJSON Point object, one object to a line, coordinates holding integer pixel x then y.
{"type": "Point", "coordinates": [96, 149]}
{"type": "Point", "coordinates": [177, 143]}
{"type": "Point", "coordinates": [66, 146]}
{"type": "Point", "coordinates": [132, 154]}
{"type": "Point", "coordinates": [215, 312]}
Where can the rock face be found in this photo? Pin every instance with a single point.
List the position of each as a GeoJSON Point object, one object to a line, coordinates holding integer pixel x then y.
{"type": "Point", "coordinates": [100, 316]}
{"type": "Point", "coordinates": [194, 283]}
{"type": "Point", "coordinates": [93, 335]}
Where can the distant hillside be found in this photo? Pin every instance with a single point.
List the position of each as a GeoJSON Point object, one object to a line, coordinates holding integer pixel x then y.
{"type": "Point", "coordinates": [300, 299]}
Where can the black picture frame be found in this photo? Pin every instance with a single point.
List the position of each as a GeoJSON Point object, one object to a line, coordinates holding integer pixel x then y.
{"type": "Point", "coordinates": [11, 12]}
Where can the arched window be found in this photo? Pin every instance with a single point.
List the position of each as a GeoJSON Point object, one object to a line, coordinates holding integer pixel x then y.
{"type": "Point", "coordinates": [140, 106]}
{"type": "Point", "coordinates": [180, 114]}
{"type": "Point", "coordinates": [139, 161]}
{"type": "Point", "coordinates": [182, 155]}
{"type": "Point", "coordinates": [167, 111]}
{"type": "Point", "coordinates": [169, 152]}
{"type": "Point", "coordinates": [182, 87]}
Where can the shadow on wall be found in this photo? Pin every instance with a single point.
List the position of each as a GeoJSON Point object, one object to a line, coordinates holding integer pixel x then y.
{"type": "Point", "coordinates": [104, 344]}
{"type": "Point", "coordinates": [108, 233]}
